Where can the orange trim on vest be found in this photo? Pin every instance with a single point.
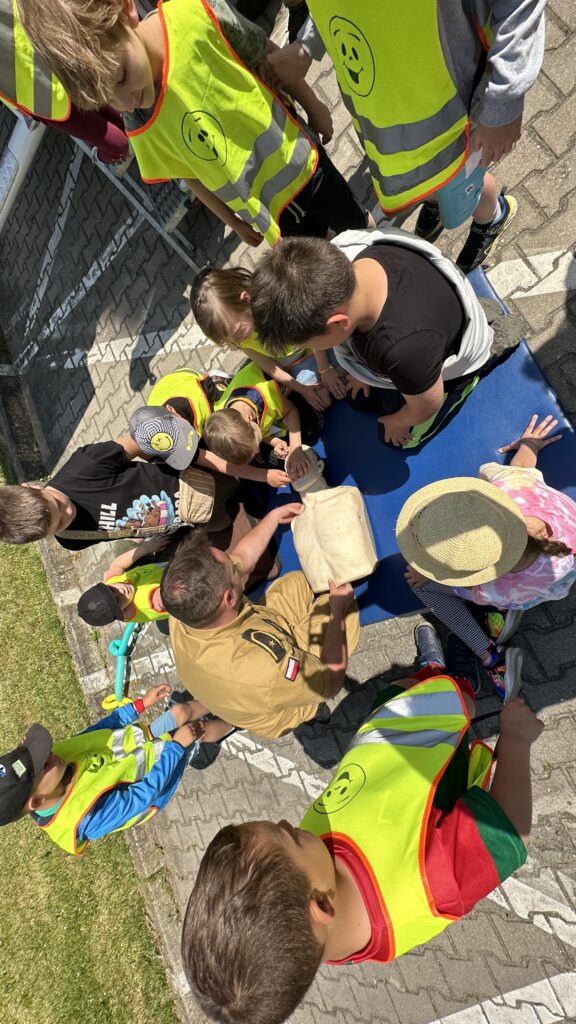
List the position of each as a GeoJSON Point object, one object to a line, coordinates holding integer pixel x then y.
{"type": "Point", "coordinates": [346, 840]}
{"type": "Point", "coordinates": [20, 106]}
{"type": "Point", "coordinates": [160, 99]}
{"type": "Point", "coordinates": [432, 191]}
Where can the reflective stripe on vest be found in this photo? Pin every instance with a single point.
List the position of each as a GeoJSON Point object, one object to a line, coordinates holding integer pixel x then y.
{"type": "Point", "coordinates": [399, 92]}
{"type": "Point", "coordinates": [102, 759]}
{"type": "Point", "coordinates": [188, 385]}
{"type": "Point", "coordinates": [215, 121]}
{"type": "Point", "coordinates": [381, 796]}
{"type": "Point", "coordinates": [264, 395]}
{"type": "Point", "coordinates": [25, 80]}
{"type": "Point", "coordinates": [145, 579]}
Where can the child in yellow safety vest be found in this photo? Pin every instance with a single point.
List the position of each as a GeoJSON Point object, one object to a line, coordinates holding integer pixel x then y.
{"type": "Point", "coordinates": [405, 839]}
{"type": "Point", "coordinates": [117, 773]}
{"type": "Point", "coordinates": [253, 409]}
{"type": "Point", "coordinates": [130, 589]}
{"type": "Point", "coordinates": [192, 71]}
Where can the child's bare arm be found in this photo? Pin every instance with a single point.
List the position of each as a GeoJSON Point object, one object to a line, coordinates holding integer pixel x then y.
{"type": "Point", "coordinates": [122, 563]}
{"type": "Point", "coordinates": [273, 477]}
{"type": "Point", "coordinates": [330, 376]}
{"type": "Point", "coordinates": [512, 785]}
{"type": "Point", "coordinates": [244, 231]}
{"type": "Point", "coordinates": [318, 114]}
{"type": "Point", "coordinates": [535, 437]}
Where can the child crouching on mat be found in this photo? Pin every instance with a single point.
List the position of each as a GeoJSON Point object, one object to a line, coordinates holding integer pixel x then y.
{"type": "Point", "coordinates": [117, 773]}
{"type": "Point", "coordinates": [404, 840]}
{"type": "Point", "coordinates": [220, 301]}
{"type": "Point", "coordinates": [505, 540]}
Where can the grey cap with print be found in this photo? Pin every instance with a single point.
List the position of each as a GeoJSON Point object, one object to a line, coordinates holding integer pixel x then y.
{"type": "Point", "coordinates": [164, 435]}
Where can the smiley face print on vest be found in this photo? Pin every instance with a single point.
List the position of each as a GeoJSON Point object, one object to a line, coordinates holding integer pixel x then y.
{"type": "Point", "coordinates": [354, 55]}
{"type": "Point", "coordinates": [342, 790]}
{"type": "Point", "coordinates": [204, 136]}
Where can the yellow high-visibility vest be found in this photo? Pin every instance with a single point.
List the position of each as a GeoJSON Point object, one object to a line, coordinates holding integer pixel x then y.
{"type": "Point", "coordinates": [25, 80]}
{"type": "Point", "coordinates": [397, 87]}
{"type": "Point", "coordinates": [216, 122]}
{"type": "Point", "coordinates": [102, 759]}
{"type": "Point", "coordinates": [251, 385]}
{"type": "Point", "coordinates": [188, 385]}
{"type": "Point", "coordinates": [381, 797]}
{"type": "Point", "coordinates": [145, 579]}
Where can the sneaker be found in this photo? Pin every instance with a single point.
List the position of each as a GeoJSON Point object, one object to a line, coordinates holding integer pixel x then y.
{"type": "Point", "coordinates": [506, 673]}
{"type": "Point", "coordinates": [483, 238]}
{"type": "Point", "coordinates": [428, 226]}
{"type": "Point", "coordinates": [461, 661]}
{"type": "Point", "coordinates": [502, 625]}
{"type": "Point", "coordinates": [428, 645]}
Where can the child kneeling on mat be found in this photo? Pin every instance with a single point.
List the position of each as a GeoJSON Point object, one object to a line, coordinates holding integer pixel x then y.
{"type": "Point", "coordinates": [273, 902]}
{"type": "Point", "coordinates": [115, 774]}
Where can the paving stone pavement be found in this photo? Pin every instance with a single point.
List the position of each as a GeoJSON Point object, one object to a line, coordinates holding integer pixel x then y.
{"type": "Point", "coordinates": [94, 307]}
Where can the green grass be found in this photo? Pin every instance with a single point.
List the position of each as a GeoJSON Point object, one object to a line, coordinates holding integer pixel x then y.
{"type": "Point", "coordinates": [75, 943]}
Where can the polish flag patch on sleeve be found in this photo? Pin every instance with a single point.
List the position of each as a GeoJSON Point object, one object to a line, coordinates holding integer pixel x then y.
{"type": "Point", "coordinates": [292, 669]}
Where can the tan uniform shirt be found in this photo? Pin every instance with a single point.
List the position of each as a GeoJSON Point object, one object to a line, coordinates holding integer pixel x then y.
{"type": "Point", "coordinates": [262, 671]}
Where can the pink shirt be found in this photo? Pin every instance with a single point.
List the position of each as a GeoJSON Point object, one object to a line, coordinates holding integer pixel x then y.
{"type": "Point", "coordinates": [547, 579]}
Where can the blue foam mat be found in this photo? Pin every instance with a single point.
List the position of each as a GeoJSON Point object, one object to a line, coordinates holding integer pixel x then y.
{"type": "Point", "coordinates": [495, 413]}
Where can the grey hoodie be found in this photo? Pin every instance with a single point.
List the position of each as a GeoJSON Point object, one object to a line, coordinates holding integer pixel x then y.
{"type": "Point", "coordinates": [515, 56]}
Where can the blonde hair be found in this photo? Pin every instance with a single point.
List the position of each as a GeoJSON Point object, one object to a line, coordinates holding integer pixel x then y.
{"type": "Point", "coordinates": [228, 435]}
{"type": "Point", "coordinates": [24, 514]}
{"type": "Point", "coordinates": [80, 40]}
{"type": "Point", "coordinates": [214, 292]}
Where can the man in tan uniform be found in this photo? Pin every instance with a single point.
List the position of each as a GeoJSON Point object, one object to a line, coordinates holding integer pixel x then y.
{"type": "Point", "coordinates": [266, 666]}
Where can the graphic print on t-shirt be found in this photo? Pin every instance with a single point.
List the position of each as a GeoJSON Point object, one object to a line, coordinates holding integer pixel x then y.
{"type": "Point", "coordinates": [155, 512]}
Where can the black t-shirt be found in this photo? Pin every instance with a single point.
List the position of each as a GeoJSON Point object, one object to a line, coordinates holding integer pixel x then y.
{"type": "Point", "coordinates": [421, 323]}
{"type": "Point", "coordinates": [111, 491]}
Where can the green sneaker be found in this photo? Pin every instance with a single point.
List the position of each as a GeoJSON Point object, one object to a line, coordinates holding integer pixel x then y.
{"type": "Point", "coordinates": [483, 238]}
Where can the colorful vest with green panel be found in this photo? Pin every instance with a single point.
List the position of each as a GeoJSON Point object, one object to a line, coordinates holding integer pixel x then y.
{"type": "Point", "coordinates": [216, 122]}
{"type": "Point", "coordinates": [184, 384]}
{"type": "Point", "coordinates": [397, 87]}
{"type": "Point", "coordinates": [252, 386]}
{"type": "Point", "coordinates": [381, 796]}
{"type": "Point", "coordinates": [146, 580]}
{"type": "Point", "coordinates": [25, 80]}
{"type": "Point", "coordinates": [102, 760]}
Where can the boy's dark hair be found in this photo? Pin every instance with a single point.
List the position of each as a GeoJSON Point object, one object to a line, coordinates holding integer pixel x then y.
{"type": "Point", "coordinates": [194, 582]}
{"type": "Point", "coordinates": [24, 514]}
{"type": "Point", "coordinates": [227, 434]}
{"type": "Point", "coordinates": [248, 948]}
{"type": "Point", "coordinates": [295, 288]}
{"type": "Point", "coordinates": [80, 41]}
{"type": "Point", "coordinates": [214, 292]}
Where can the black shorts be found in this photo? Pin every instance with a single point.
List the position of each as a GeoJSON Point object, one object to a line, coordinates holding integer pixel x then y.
{"type": "Point", "coordinates": [327, 201]}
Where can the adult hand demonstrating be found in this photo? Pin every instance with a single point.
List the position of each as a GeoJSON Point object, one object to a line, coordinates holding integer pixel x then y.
{"type": "Point", "coordinates": [536, 435]}
{"type": "Point", "coordinates": [394, 433]}
{"type": "Point", "coordinates": [496, 142]}
{"type": "Point", "coordinates": [277, 478]}
{"type": "Point", "coordinates": [340, 598]}
{"type": "Point", "coordinates": [335, 381]}
{"type": "Point", "coordinates": [247, 233]}
{"type": "Point", "coordinates": [155, 694]}
{"type": "Point", "coordinates": [519, 721]}
{"type": "Point", "coordinates": [286, 513]}
{"type": "Point", "coordinates": [187, 734]}
{"type": "Point", "coordinates": [354, 386]}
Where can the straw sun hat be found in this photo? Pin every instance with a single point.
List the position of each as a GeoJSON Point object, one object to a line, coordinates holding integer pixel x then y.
{"type": "Point", "coordinates": [461, 531]}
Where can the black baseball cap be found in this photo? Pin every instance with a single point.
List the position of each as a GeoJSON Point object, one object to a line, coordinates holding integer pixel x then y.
{"type": "Point", "coordinates": [99, 606]}
{"type": "Point", "coordinates": [19, 768]}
